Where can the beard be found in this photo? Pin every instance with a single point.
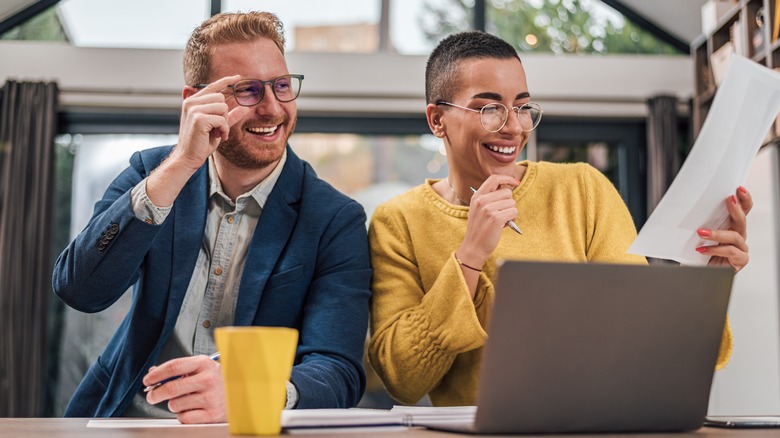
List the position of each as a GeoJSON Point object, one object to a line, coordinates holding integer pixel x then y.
{"type": "Point", "coordinates": [256, 156]}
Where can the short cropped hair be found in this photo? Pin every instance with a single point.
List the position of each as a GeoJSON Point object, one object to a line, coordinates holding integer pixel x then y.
{"type": "Point", "coordinates": [442, 66]}
{"type": "Point", "coordinates": [222, 29]}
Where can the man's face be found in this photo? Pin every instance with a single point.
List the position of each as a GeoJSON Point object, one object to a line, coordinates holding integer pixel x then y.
{"type": "Point", "coordinates": [259, 139]}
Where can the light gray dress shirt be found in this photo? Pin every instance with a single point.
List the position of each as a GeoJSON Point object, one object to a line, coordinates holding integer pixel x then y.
{"type": "Point", "coordinates": [210, 300]}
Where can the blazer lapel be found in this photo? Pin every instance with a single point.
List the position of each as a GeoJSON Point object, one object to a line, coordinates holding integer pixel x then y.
{"type": "Point", "coordinates": [190, 210]}
{"type": "Point", "coordinates": [270, 237]}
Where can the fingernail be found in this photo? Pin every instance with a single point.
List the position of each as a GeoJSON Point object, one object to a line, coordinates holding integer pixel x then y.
{"type": "Point", "coordinates": [517, 180]}
{"type": "Point", "coordinates": [734, 199]}
{"type": "Point", "coordinates": [701, 249]}
{"type": "Point", "coordinates": [742, 190]}
{"type": "Point", "coordinates": [703, 232]}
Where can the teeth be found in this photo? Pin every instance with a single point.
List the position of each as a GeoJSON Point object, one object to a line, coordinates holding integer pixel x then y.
{"type": "Point", "coordinates": [263, 129]}
{"type": "Point", "coordinates": [502, 150]}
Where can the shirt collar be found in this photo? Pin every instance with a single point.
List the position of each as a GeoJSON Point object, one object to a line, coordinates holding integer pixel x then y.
{"type": "Point", "coordinates": [259, 193]}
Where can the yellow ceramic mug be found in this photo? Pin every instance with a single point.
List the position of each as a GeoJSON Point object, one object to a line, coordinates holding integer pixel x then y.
{"type": "Point", "coordinates": [256, 365]}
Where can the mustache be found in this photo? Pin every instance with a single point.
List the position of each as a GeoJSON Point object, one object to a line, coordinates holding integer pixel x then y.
{"type": "Point", "coordinates": [265, 121]}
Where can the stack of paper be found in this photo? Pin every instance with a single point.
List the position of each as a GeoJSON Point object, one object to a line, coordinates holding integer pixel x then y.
{"type": "Point", "coordinates": [362, 418]}
{"type": "Point", "coordinates": [346, 420]}
{"type": "Point", "coordinates": [339, 418]}
{"type": "Point", "coordinates": [436, 416]}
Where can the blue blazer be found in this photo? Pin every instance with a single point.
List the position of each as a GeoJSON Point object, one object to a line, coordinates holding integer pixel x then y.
{"type": "Point", "coordinates": [307, 267]}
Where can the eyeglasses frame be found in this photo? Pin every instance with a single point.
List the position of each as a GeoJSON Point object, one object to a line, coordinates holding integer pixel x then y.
{"type": "Point", "coordinates": [515, 109]}
{"type": "Point", "coordinates": [263, 83]}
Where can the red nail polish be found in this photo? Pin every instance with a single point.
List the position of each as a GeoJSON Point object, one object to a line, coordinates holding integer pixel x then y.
{"type": "Point", "coordinates": [742, 190]}
{"type": "Point", "coordinates": [703, 232]}
{"type": "Point", "coordinates": [701, 249]}
{"type": "Point", "coordinates": [734, 199]}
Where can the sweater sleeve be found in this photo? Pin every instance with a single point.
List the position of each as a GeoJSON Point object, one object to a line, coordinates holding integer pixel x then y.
{"type": "Point", "coordinates": [610, 229]}
{"type": "Point", "coordinates": [416, 333]}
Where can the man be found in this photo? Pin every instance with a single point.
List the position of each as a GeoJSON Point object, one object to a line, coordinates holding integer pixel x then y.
{"type": "Point", "coordinates": [228, 227]}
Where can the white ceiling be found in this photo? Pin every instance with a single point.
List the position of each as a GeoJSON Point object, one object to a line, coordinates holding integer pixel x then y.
{"type": "Point", "coordinates": [680, 18]}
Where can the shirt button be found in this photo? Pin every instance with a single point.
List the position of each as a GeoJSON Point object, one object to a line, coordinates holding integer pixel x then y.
{"type": "Point", "coordinates": [207, 323]}
{"type": "Point", "coordinates": [231, 219]}
{"type": "Point", "coordinates": [218, 270]}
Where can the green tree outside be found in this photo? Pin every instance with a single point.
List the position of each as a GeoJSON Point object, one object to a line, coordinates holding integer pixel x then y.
{"type": "Point", "coordinates": [43, 27]}
{"type": "Point", "coordinates": [556, 26]}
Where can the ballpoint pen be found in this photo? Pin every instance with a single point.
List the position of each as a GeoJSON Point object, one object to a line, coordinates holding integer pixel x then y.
{"type": "Point", "coordinates": [214, 356]}
{"type": "Point", "coordinates": [510, 223]}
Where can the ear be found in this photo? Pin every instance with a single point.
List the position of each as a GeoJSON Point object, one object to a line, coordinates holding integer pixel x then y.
{"type": "Point", "coordinates": [434, 114]}
{"type": "Point", "coordinates": [188, 91]}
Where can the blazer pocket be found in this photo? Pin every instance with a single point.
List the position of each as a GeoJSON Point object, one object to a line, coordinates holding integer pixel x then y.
{"type": "Point", "coordinates": [285, 277]}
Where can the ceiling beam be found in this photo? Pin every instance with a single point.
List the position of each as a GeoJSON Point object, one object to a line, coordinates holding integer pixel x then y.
{"type": "Point", "coordinates": [25, 14]}
{"type": "Point", "coordinates": [648, 25]}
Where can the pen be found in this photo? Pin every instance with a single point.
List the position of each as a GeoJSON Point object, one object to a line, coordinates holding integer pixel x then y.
{"type": "Point", "coordinates": [510, 224]}
{"type": "Point", "coordinates": [214, 356]}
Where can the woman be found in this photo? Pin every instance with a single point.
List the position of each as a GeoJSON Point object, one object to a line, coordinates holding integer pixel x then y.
{"type": "Point", "coordinates": [433, 249]}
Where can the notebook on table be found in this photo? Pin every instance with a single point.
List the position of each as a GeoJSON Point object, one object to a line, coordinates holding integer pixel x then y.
{"type": "Point", "coordinates": [599, 348]}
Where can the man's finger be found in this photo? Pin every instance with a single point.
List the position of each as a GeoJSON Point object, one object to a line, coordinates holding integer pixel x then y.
{"type": "Point", "coordinates": [237, 114]}
{"type": "Point", "coordinates": [219, 84]}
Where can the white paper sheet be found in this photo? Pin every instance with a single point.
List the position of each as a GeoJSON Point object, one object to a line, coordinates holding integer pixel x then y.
{"type": "Point", "coordinates": [742, 111]}
{"type": "Point", "coordinates": [303, 418]}
{"type": "Point", "coordinates": [113, 423]}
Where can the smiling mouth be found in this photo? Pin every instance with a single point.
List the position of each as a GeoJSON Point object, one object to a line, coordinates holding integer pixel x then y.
{"type": "Point", "coordinates": [263, 130]}
{"type": "Point", "coordinates": [506, 150]}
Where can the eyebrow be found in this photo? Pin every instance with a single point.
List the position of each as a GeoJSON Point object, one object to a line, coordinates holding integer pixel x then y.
{"type": "Point", "coordinates": [496, 96]}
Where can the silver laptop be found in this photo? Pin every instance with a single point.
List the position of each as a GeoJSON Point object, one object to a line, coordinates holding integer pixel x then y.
{"type": "Point", "coordinates": [600, 348]}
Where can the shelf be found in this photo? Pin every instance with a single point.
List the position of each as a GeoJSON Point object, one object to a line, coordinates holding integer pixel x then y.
{"type": "Point", "coordinates": [727, 19]}
{"type": "Point", "coordinates": [702, 49]}
{"type": "Point", "coordinates": [760, 58]}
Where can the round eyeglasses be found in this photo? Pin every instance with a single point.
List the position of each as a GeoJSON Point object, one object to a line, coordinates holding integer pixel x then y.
{"type": "Point", "coordinates": [249, 92]}
{"type": "Point", "coordinates": [493, 116]}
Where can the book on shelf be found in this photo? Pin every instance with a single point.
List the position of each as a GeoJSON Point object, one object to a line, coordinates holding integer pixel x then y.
{"type": "Point", "coordinates": [735, 34]}
{"type": "Point", "coordinates": [776, 22]}
{"type": "Point", "coordinates": [758, 39]}
{"type": "Point", "coordinates": [712, 12]}
{"type": "Point", "coordinates": [719, 61]}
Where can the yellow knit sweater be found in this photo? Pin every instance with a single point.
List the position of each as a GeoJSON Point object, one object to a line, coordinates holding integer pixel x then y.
{"type": "Point", "coordinates": [427, 333]}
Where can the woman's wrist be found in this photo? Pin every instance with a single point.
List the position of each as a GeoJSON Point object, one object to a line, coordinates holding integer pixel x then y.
{"type": "Point", "coordinates": [466, 259]}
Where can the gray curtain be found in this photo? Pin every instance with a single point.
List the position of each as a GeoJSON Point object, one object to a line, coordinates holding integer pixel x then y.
{"type": "Point", "coordinates": [28, 124]}
{"type": "Point", "coordinates": [663, 147]}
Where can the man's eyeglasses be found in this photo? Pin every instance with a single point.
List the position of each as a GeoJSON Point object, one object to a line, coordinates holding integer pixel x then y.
{"type": "Point", "coordinates": [493, 116]}
{"type": "Point", "coordinates": [249, 92]}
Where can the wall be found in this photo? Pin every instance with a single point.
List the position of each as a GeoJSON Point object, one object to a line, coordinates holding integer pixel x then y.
{"type": "Point", "coordinates": [750, 383]}
{"type": "Point", "coordinates": [609, 86]}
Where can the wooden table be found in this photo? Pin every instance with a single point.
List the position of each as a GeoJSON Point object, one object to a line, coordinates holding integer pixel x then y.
{"type": "Point", "coordinates": [77, 428]}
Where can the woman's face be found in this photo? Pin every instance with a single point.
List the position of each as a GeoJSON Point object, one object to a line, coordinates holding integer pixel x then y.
{"type": "Point", "coordinates": [473, 153]}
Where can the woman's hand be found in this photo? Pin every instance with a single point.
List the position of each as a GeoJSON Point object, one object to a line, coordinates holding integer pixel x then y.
{"type": "Point", "coordinates": [490, 208]}
{"type": "Point", "coordinates": [730, 249]}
